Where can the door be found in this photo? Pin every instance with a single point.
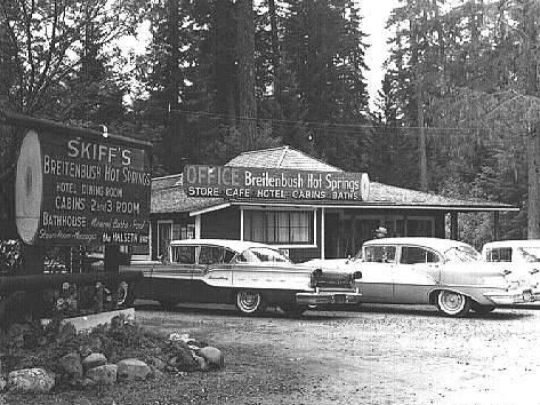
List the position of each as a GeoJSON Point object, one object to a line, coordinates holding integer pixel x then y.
{"type": "Point", "coordinates": [376, 284]}
{"type": "Point", "coordinates": [164, 235]}
{"type": "Point", "coordinates": [417, 271]}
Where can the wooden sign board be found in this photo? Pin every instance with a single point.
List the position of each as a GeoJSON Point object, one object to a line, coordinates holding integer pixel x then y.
{"type": "Point", "coordinates": [78, 191]}
{"type": "Point", "coordinates": [269, 183]}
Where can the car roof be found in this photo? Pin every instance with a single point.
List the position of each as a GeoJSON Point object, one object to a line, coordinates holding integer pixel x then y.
{"type": "Point", "coordinates": [236, 245]}
{"type": "Point", "coordinates": [435, 243]}
{"type": "Point", "coordinates": [513, 243]}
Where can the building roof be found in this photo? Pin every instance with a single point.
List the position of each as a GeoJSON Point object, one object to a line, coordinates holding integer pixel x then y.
{"type": "Point", "coordinates": [283, 157]}
{"type": "Point", "coordinates": [168, 195]}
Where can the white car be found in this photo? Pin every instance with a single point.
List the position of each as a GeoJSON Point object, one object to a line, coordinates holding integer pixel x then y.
{"type": "Point", "coordinates": [523, 255]}
{"type": "Point", "coordinates": [249, 274]}
{"type": "Point", "coordinates": [442, 272]}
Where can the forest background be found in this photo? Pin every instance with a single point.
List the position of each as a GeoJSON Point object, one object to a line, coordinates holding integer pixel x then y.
{"type": "Point", "coordinates": [458, 112]}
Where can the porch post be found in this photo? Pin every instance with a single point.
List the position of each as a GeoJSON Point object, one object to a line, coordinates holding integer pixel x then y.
{"type": "Point", "coordinates": [241, 223]}
{"type": "Point", "coordinates": [323, 238]}
{"type": "Point", "coordinates": [197, 226]}
{"type": "Point", "coordinates": [454, 230]}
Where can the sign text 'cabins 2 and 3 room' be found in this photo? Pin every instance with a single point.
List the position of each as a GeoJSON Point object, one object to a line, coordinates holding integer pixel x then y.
{"type": "Point", "coordinates": [73, 189]}
{"type": "Point", "coordinates": [250, 182]}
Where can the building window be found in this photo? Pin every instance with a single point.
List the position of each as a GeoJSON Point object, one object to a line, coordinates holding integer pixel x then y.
{"type": "Point", "coordinates": [499, 255]}
{"type": "Point", "coordinates": [279, 227]}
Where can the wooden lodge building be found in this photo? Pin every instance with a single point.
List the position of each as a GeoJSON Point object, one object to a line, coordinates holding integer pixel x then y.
{"type": "Point", "coordinates": [307, 228]}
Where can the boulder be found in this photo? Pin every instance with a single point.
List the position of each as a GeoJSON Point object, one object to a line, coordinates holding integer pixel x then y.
{"type": "Point", "coordinates": [102, 375]}
{"type": "Point", "coordinates": [133, 369]}
{"type": "Point", "coordinates": [3, 384]}
{"type": "Point", "coordinates": [31, 380]}
{"type": "Point", "coordinates": [70, 366]}
{"type": "Point", "coordinates": [94, 360]}
{"type": "Point", "coordinates": [213, 356]}
{"type": "Point", "coordinates": [203, 363]}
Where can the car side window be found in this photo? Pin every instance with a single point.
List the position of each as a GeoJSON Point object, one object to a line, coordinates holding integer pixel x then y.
{"type": "Point", "coordinates": [380, 254]}
{"type": "Point", "coordinates": [414, 255]}
{"type": "Point", "coordinates": [499, 255]}
{"type": "Point", "coordinates": [183, 254]}
{"type": "Point", "coordinates": [212, 255]}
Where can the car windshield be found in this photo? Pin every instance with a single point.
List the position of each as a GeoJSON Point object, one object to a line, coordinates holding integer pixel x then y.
{"type": "Point", "coordinates": [530, 254]}
{"type": "Point", "coordinates": [262, 255]}
{"type": "Point", "coordinates": [462, 254]}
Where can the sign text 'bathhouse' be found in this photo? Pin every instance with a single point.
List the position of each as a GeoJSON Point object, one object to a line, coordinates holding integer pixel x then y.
{"type": "Point", "coordinates": [265, 183]}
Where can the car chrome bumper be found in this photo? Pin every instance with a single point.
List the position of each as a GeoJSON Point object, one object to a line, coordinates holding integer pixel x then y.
{"type": "Point", "coordinates": [320, 298]}
{"type": "Point", "coordinates": [512, 297]}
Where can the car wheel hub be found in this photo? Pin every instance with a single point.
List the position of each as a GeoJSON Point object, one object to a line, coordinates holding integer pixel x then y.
{"type": "Point", "coordinates": [249, 300]}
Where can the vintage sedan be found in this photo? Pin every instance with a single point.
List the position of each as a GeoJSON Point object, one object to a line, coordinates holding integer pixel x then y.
{"type": "Point", "coordinates": [442, 272]}
{"type": "Point", "coordinates": [248, 274]}
{"type": "Point", "coordinates": [522, 257]}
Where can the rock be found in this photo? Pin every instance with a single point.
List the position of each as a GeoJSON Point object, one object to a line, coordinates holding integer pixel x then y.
{"type": "Point", "coordinates": [3, 384]}
{"type": "Point", "coordinates": [94, 360]}
{"type": "Point", "coordinates": [70, 366]}
{"type": "Point", "coordinates": [133, 369]}
{"type": "Point", "coordinates": [102, 375]}
{"type": "Point", "coordinates": [203, 363]}
{"type": "Point", "coordinates": [213, 356]}
{"type": "Point", "coordinates": [31, 380]}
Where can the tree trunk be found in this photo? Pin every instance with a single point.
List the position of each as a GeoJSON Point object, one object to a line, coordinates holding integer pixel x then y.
{"type": "Point", "coordinates": [275, 50]}
{"type": "Point", "coordinates": [174, 69]}
{"type": "Point", "coordinates": [533, 207]}
{"type": "Point", "coordinates": [246, 72]}
{"type": "Point", "coordinates": [422, 152]}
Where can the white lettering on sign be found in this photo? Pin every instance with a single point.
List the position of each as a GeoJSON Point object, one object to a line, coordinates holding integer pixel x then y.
{"type": "Point", "coordinates": [98, 152]}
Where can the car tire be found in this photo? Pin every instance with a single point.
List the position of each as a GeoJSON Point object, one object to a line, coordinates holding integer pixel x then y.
{"type": "Point", "coordinates": [453, 304]}
{"type": "Point", "coordinates": [124, 295]}
{"type": "Point", "coordinates": [167, 304]}
{"type": "Point", "coordinates": [293, 310]}
{"type": "Point", "coordinates": [250, 302]}
{"type": "Point", "coordinates": [481, 309]}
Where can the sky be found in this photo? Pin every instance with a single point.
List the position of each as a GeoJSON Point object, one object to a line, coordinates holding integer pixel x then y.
{"type": "Point", "coordinates": [375, 13]}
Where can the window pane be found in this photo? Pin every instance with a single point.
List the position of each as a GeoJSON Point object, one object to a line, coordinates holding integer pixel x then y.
{"type": "Point", "coordinates": [257, 228]}
{"type": "Point", "coordinates": [279, 227]}
{"type": "Point", "coordinates": [247, 225]}
{"type": "Point", "coordinates": [184, 254]}
{"type": "Point", "coordinates": [380, 254]}
{"type": "Point", "coordinates": [414, 255]}
{"type": "Point", "coordinates": [211, 255]}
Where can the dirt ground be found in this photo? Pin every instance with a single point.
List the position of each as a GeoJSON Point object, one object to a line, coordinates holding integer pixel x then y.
{"type": "Point", "coordinates": [379, 355]}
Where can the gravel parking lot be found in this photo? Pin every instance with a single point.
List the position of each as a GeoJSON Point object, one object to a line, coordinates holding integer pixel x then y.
{"type": "Point", "coordinates": [378, 355]}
